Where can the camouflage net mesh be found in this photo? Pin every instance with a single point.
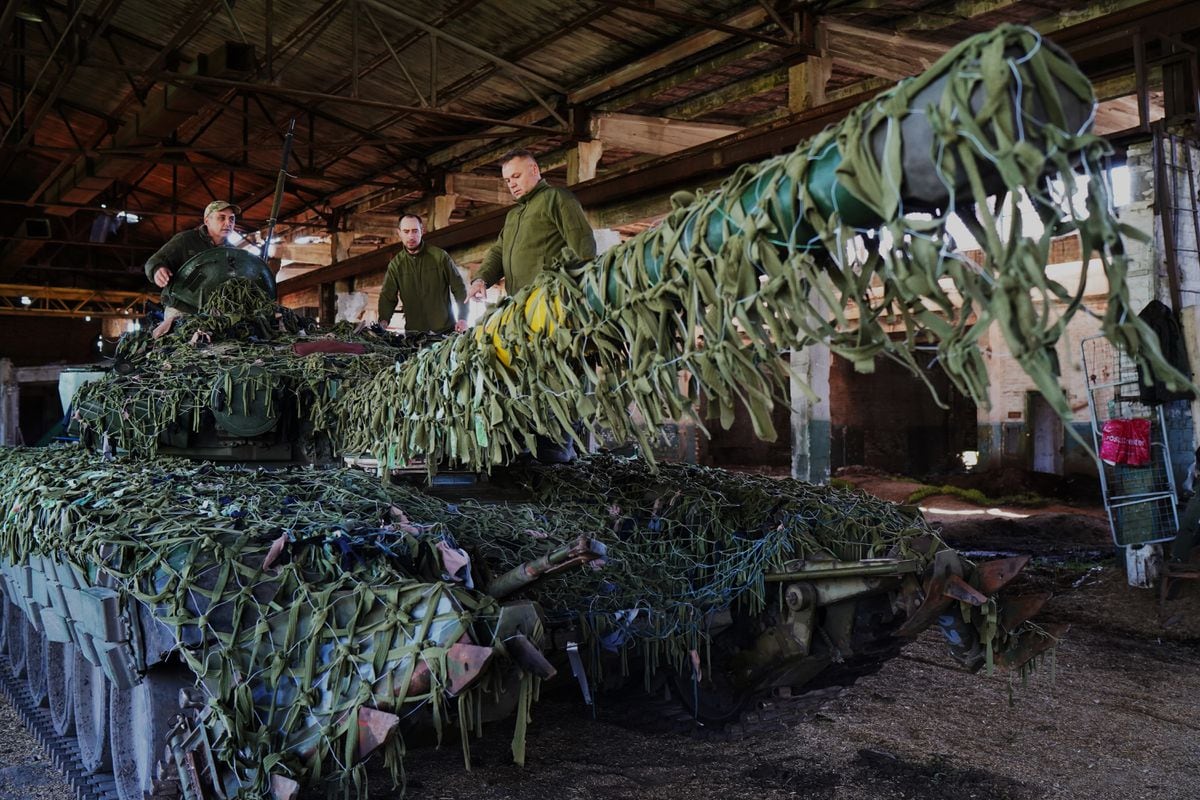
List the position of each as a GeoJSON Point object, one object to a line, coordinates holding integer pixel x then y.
{"type": "Point", "coordinates": [682, 542]}
{"type": "Point", "coordinates": [299, 596]}
{"type": "Point", "coordinates": [239, 351]}
{"type": "Point", "coordinates": [288, 642]}
{"type": "Point", "coordinates": [731, 280]}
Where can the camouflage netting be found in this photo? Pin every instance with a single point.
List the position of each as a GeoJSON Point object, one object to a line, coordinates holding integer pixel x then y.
{"type": "Point", "coordinates": [288, 644]}
{"type": "Point", "coordinates": [302, 595]}
{"type": "Point", "coordinates": [732, 280]}
{"type": "Point", "coordinates": [240, 347]}
{"type": "Point", "coordinates": [682, 542]}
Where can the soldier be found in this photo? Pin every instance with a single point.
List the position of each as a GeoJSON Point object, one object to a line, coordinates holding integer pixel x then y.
{"type": "Point", "coordinates": [425, 278]}
{"type": "Point", "coordinates": [219, 217]}
{"type": "Point", "coordinates": [544, 221]}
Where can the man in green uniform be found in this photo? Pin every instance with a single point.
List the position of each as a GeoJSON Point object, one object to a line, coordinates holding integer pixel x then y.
{"type": "Point", "coordinates": [545, 220]}
{"type": "Point", "coordinates": [219, 217]}
{"type": "Point", "coordinates": [424, 277]}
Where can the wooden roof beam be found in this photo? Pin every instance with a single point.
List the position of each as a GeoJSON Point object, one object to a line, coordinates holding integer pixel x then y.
{"type": "Point", "coordinates": [478, 188]}
{"type": "Point", "coordinates": [882, 53]}
{"type": "Point", "coordinates": [689, 46]}
{"type": "Point", "coordinates": [943, 15]}
{"type": "Point", "coordinates": [700, 22]}
{"type": "Point", "coordinates": [654, 135]}
{"type": "Point", "coordinates": [717, 99]}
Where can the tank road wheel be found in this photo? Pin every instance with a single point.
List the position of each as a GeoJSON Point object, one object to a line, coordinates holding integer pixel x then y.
{"type": "Point", "coordinates": [59, 667]}
{"type": "Point", "coordinates": [35, 659]}
{"type": "Point", "coordinates": [14, 638]}
{"type": "Point", "coordinates": [91, 716]}
{"type": "Point", "coordinates": [142, 718]}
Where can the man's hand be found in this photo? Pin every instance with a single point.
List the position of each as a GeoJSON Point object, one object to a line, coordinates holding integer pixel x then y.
{"type": "Point", "coordinates": [478, 289]}
{"type": "Point", "coordinates": [460, 326]}
{"type": "Point", "coordinates": [162, 276]}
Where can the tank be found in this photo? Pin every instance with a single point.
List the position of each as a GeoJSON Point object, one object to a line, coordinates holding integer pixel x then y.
{"type": "Point", "coordinates": [218, 601]}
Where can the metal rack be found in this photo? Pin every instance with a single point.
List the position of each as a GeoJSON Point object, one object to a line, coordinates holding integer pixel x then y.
{"type": "Point", "coordinates": [1140, 500]}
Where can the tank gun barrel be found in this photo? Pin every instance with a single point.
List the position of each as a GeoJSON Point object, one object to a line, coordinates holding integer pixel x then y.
{"type": "Point", "coordinates": [568, 556]}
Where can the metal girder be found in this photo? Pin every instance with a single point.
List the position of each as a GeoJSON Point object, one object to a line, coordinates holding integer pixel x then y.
{"type": "Point", "coordinates": [479, 52]}
{"type": "Point", "coordinates": [396, 57]}
{"type": "Point", "coordinates": [193, 23]}
{"type": "Point", "coordinates": [48, 103]}
{"type": "Point", "coordinates": [285, 91]}
{"type": "Point", "coordinates": [62, 302]}
{"type": "Point", "coordinates": [448, 94]}
{"type": "Point", "coordinates": [77, 243]}
{"type": "Point", "coordinates": [152, 150]}
{"type": "Point", "coordinates": [665, 58]}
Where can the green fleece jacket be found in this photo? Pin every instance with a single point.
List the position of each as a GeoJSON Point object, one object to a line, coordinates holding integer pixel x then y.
{"type": "Point", "coordinates": [178, 250]}
{"type": "Point", "coordinates": [424, 282]}
{"type": "Point", "coordinates": [536, 230]}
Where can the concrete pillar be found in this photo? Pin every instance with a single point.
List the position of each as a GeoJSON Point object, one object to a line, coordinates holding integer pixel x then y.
{"type": "Point", "coordinates": [1144, 257]}
{"type": "Point", "coordinates": [811, 427]}
{"type": "Point", "coordinates": [991, 421]}
{"type": "Point", "coordinates": [10, 395]}
{"type": "Point", "coordinates": [327, 310]}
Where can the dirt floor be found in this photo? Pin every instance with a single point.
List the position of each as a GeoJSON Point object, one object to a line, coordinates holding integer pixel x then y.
{"type": "Point", "coordinates": [1113, 715]}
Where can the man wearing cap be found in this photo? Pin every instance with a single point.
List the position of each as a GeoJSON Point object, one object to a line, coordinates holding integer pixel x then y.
{"type": "Point", "coordinates": [423, 278]}
{"type": "Point", "coordinates": [219, 217]}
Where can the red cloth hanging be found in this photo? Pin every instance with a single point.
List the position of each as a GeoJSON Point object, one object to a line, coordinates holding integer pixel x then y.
{"type": "Point", "coordinates": [1126, 441]}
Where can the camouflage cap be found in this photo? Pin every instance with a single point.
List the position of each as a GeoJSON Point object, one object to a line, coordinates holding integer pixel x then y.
{"type": "Point", "coordinates": [220, 205]}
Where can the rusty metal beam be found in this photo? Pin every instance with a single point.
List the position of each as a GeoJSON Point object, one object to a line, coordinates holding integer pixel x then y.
{"type": "Point", "coordinates": [64, 302]}
{"type": "Point", "coordinates": [63, 79]}
{"type": "Point", "coordinates": [448, 94]}
{"type": "Point", "coordinates": [665, 58]}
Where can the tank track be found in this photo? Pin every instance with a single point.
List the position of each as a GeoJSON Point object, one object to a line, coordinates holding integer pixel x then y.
{"type": "Point", "coordinates": [62, 750]}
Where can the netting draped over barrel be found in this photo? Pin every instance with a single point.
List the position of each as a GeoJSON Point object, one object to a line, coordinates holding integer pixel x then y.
{"type": "Point", "coordinates": [821, 245]}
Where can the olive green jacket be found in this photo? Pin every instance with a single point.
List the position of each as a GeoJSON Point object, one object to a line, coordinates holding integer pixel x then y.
{"type": "Point", "coordinates": [536, 230]}
{"type": "Point", "coordinates": [175, 253]}
{"type": "Point", "coordinates": [424, 283]}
